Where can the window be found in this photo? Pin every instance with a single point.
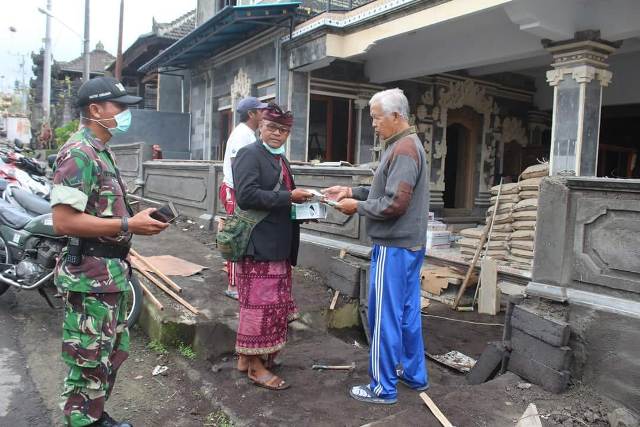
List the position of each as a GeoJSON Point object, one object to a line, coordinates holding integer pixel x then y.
{"type": "Point", "coordinates": [331, 129]}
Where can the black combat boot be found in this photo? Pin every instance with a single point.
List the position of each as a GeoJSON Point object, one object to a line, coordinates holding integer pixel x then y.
{"type": "Point", "coordinates": [106, 421]}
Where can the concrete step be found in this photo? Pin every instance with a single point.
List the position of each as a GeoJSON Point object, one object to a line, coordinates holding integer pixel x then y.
{"type": "Point", "coordinates": [213, 332]}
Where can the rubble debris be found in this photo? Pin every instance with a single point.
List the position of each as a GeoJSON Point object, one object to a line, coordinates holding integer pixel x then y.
{"type": "Point", "coordinates": [454, 359]}
{"type": "Point", "coordinates": [622, 417]}
{"type": "Point", "coordinates": [159, 370]}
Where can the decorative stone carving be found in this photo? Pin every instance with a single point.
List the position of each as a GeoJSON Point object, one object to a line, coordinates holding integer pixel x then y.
{"type": "Point", "coordinates": [427, 134]}
{"type": "Point", "coordinates": [435, 113]}
{"type": "Point", "coordinates": [241, 87]}
{"type": "Point", "coordinates": [458, 95]}
{"type": "Point", "coordinates": [513, 130]}
{"type": "Point", "coordinates": [421, 112]}
{"type": "Point", "coordinates": [581, 74]}
{"type": "Point", "coordinates": [606, 233]}
{"type": "Point", "coordinates": [466, 93]}
{"type": "Point", "coordinates": [440, 152]}
{"type": "Point", "coordinates": [427, 96]}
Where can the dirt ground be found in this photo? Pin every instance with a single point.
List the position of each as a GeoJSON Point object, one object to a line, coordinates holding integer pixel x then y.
{"type": "Point", "coordinates": [201, 392]}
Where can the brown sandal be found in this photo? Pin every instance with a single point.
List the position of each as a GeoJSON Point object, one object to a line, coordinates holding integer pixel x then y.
{"type": "Point", "coordinates": [269, 363]}
{"type": "Point", "coordinates": [265, 380]}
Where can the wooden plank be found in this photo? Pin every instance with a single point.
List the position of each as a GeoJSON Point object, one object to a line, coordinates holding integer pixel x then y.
{"type": "Point", "coordinates": [151, 296]}
{"type": "Point", "coordinates": [489, 296]}
{"type": "Point", "coordinates": [530, 418]}
{"type": "Point", "coordinates": [155, 270]}
{"type": "Point", "coordinates": [435, 410]}
{"type": "Point", "coordinates": [334, 300]}
{"type": "Point", "coordinates": [472, 266]}
{"type": "Point", "coordinates": [162, 286]}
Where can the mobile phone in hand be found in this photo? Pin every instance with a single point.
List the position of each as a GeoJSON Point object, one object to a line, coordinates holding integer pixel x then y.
{"type": "Point", "coordinates": [166, 213]}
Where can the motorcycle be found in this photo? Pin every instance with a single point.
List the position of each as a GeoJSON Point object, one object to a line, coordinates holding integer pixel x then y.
{"type": "Point", "coordinates": [36, 184]}
{"type": "Point", "coordinates": [29, 249]}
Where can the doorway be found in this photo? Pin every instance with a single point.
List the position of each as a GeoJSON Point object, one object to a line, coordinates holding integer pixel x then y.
{"type": "Point", "coordinates": [331, 129]}
{"type": "Point", "coordinates": [463, 139]}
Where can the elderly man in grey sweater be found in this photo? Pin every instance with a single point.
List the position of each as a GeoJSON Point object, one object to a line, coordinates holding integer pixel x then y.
{"type": "Point", "coordinates": [396, 210]}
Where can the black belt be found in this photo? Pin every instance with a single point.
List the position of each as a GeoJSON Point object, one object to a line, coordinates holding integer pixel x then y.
{"type": "Point", "coordinates": [104, 250]}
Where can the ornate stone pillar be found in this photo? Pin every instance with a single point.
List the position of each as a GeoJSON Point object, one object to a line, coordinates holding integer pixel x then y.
{"type": "Point", "coordinates": [579, 74]}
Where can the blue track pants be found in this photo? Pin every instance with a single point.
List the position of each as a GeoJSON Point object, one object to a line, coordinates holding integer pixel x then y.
{"type": "Point", "coordinates": [394, 320]}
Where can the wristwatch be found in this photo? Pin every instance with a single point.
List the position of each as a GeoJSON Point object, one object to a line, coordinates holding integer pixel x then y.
{"type": "Point", "coordinates": [124, 224]}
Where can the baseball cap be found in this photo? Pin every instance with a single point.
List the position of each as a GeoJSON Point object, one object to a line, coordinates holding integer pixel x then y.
{"type": "Point", "coordinates": [104, 89]}
{"type": "Point", "coordinates": [250, 103]}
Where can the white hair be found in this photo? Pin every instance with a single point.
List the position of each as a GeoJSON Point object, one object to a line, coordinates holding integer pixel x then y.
{"type": "Point", "coordinates": [392, 101]}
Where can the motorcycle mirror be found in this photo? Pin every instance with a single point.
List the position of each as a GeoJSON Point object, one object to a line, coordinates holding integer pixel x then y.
{"type": "Point", "coordinates": [18, 144]}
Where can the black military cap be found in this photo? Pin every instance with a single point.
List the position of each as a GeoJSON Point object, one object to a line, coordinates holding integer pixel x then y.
{"type": "Point", "coordinates": [104, 89]}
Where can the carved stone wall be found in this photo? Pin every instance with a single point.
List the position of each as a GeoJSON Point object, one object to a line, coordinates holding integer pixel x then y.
{"type": "Point", "coordinates": [590, 259]}
{"type": "Point", "coordinates": [440, 94]}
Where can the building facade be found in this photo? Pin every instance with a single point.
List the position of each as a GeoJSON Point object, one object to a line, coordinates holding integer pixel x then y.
{"type": "Point", "coordinates": [480, 77]}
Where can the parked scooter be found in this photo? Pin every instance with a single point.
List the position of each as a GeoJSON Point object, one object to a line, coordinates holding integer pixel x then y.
{"type": "Point", "coordinates": [29, 249]}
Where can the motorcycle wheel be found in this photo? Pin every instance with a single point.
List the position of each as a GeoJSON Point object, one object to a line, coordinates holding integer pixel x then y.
{"type": "Point", "coordinates": [4, 259]}
{"type": "Point", "coordinates": [134, 303]}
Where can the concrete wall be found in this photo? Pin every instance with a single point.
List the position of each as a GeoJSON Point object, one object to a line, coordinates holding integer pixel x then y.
{"type": "Point", "coordinates": [588, 235]}
{"type": "Point", "coordinates": [169, 130]}
{"type": "Point", "coordinates": [191, 186]}
{"type": "Point", "coordinates": [130, 158]}
{"type": "Point", "coordinates": [173, 92]}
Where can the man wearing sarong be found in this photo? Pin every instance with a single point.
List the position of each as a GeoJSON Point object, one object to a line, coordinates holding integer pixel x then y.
{"type": "Point", "coordinates": [263, 181]}
{"type": "Point", "coordinates": [396, 208]}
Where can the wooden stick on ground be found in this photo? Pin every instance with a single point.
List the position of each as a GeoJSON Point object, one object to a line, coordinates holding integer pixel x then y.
{"type": "Point", "coordinates": [158, 283]}
{"type": "Point", "coordinates": [334, 300]}
{"type": "Point", "coordinates": [493, 218]}
{"type": "Point", "coordinates": [435, 410]}
{"type": "Point", "coordinates": [488, 230]}
{"type": "Point", "coordinates": [152, 297]}
{"type": "Point", "coordinates": [472, 266]}
{"type": "Point", "coordinates": [154, 269]}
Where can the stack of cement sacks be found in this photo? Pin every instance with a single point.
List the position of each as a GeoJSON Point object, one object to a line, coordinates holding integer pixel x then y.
{"type": "Point", "coordinates": [502, 226]}
{"type": "Point", "coordinates": [525, 214]}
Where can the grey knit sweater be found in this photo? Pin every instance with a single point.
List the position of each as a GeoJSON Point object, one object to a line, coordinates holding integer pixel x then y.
{"type": "Point", "coordinates": [397, 203]}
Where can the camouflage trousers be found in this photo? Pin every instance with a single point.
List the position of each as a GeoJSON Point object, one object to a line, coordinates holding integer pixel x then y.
{"type": "Point", "coordinates": [95, 342]}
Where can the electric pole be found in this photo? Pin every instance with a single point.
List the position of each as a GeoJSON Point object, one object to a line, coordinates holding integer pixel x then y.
{"type": "Point", "coordinates": [119, 55]}
{"type": "Point", "coordinates": [86, 75]}
{"type": "Point", "coordinates": [46, 84]}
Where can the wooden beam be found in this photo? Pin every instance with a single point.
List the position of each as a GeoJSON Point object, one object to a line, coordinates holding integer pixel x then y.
{"type": "Point", "coordinates": [435, 410]}
{"type": "Point", "coordinates": [162, 286]}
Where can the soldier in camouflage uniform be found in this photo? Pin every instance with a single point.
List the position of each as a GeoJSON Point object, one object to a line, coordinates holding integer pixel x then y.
{"type": "Point", "coordinates": [89, 202]}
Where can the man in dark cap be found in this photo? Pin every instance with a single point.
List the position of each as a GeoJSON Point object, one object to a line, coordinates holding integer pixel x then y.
{"type": "Point", "coordinates": [250, 110]}
{"type": "Point", "coordinates": [90, 206]}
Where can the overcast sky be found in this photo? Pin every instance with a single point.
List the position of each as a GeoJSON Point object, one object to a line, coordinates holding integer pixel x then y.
{"type": "Point", "coordinates": [23, 15]}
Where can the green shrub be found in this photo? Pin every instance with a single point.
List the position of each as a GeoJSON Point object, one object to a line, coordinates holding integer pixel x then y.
{"type": "Point", "coordinates": [64, 132]}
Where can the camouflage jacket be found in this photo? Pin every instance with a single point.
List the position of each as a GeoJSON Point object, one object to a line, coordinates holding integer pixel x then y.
{"type": "Point", "coordinates": [87, 179]}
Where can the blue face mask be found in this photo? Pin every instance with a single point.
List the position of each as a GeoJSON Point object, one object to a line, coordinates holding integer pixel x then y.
{"type": "Point", "coordinates": [275, 151]}
{"type": "Point", "coordinates": [123, 122]}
